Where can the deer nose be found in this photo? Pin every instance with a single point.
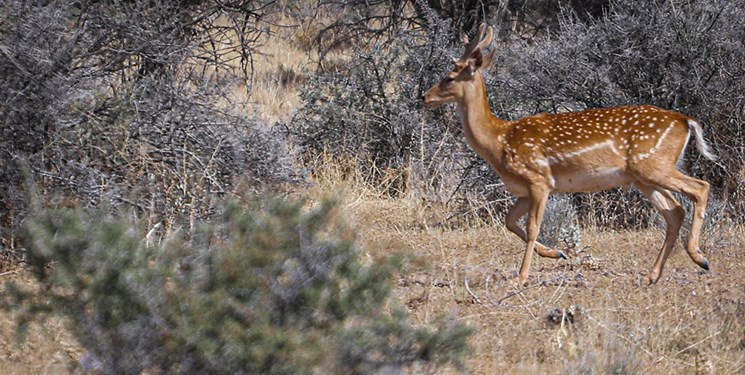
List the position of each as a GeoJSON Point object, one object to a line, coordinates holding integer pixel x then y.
{"type": "Point", "coordinates": [426, 100]}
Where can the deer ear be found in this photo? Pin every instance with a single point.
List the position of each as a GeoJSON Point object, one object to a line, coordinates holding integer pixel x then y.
{"type": "Point", "coordinates": [487, 60]}
{"type": "Point", "coordinates": [476, 59]}
{"type": "Point", "coordinates": [479, 61]}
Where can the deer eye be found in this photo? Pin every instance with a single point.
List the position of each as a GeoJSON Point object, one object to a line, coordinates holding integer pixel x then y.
{"type": "Point", "coordinates": [448, 79]}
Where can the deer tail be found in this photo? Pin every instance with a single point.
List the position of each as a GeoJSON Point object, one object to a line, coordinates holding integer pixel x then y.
{"type": "Point", "coordinates": [701, 144]}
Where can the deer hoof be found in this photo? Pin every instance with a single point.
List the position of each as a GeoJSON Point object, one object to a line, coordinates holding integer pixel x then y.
{"type": "Point", "coordinates": [704, 264]}
{"type": "Point", "coordinates": [699, 259]}
{"type": "Point", "coordinates": [562, 255]}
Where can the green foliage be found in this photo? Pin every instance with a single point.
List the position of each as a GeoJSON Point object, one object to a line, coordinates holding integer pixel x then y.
{"type": "Point", "coordinates": [273, 289]}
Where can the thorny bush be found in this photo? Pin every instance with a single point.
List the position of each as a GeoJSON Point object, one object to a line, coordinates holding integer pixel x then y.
{"type": "Point", "coordinates": [130, 103]}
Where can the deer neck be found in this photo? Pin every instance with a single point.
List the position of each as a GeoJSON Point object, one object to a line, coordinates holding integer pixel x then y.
{"type": "Point", "coordinates": [484, 131]}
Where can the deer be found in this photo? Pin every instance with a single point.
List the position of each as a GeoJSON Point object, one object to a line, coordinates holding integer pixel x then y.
{"type": "Point", "coordinates": [575, 152]}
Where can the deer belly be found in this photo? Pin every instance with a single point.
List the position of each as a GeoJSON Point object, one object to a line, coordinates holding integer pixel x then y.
{"type": "Point", "coordinates": [591, 180]}
{"type": "Point", "coordinates": [514, 186]}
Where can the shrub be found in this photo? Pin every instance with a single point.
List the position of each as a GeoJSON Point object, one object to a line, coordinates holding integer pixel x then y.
{"type": "Point", "coordinates": [131, 102]}
{"type": "Point", "coordinates": [370, 111]}
{"type": "Point", "coordinates": [275, 289]}
{"type": "Point", "coordinates": [367, 111]}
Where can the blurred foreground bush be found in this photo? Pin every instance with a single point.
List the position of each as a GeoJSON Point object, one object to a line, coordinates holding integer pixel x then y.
{"type": "Point", "coordinates": [276, 289]}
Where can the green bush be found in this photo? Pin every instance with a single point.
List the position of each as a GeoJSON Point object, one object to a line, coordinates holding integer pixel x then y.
{"type": "Point", "coordinates": [274, 289]}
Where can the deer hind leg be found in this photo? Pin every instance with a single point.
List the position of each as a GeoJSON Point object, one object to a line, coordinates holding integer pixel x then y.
{"type": "Point", "coordinates": [518, 210]}
{"type": "Point", "coordinates": [698, 192]}
{"type": "Point", "coordinates": [537, 203]}
{"type": "Point", "coordinates": [673, 213]}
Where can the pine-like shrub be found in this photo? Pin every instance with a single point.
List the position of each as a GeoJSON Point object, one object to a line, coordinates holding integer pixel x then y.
{"type": "Point", "coordinates": [274, 289]}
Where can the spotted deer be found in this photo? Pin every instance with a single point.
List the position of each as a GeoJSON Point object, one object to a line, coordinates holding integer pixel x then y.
{"type": "Point", "coordinates": [583, 151]}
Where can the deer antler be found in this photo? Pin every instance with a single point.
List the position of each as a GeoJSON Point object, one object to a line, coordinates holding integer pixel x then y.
{"type": "Point", "coordinates": [479, 41]}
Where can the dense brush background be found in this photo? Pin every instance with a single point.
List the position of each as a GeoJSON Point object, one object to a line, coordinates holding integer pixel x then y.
{"type": "Point", "coordinates": [155, 113]}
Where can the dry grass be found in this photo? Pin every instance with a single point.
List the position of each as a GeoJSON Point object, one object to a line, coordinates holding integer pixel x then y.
{"type": "Point", "coordinates": [48, 348]}
{"type": "Point", "coordinates": [283, 63]}
{"type": "Point", "coordinates": [690, 322]}
{"type": "Point", "coordinates": [279, 69]}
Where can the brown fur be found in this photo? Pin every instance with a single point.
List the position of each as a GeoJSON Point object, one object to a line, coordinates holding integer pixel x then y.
{"type": "Point", "coordinates": [582, 151]}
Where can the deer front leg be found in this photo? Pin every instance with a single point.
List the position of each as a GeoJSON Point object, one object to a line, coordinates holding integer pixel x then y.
{"type": "Point", "coordinates": [538, 198]}
{"type": "Point", "coordinates": [518, 210]}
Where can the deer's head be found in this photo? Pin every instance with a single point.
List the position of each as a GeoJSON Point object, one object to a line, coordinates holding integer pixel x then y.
{"type": "Point", "coordinates": [465, 76]}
